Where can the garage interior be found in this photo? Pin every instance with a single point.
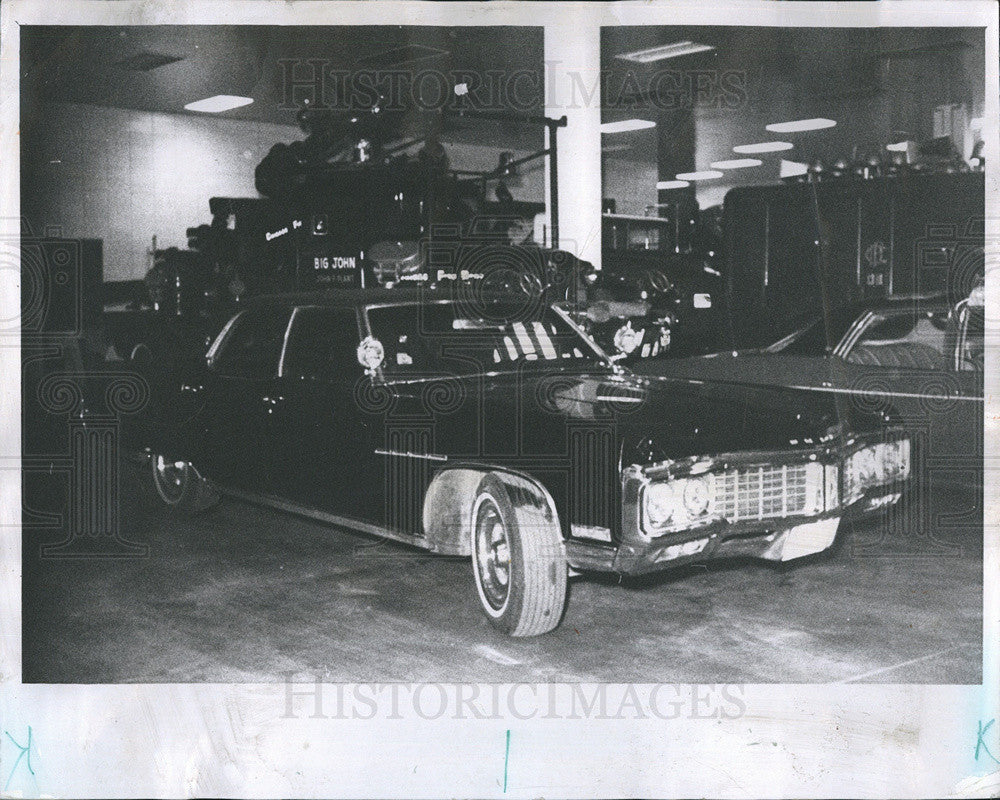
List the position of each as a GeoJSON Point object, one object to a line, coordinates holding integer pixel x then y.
{"type": "Point", "coordinates": [112, 156]}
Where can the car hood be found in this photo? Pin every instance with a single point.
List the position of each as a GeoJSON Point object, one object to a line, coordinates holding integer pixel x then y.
{"type": "Point", "coordinates": [656, 419]}
{"type": "Point", "coordinates": [746, 366]}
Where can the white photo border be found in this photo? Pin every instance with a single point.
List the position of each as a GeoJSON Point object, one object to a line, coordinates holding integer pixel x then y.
{"type": "Point", "coordinates": [177, 740]}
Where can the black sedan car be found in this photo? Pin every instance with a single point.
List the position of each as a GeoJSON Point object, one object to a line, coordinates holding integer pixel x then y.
{"type": "Point", "coordinates": [493, 427]}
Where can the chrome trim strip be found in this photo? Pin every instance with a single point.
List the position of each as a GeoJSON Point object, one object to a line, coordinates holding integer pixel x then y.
{"type": "Point", "coordinates": [868, 393]}
{"type": "Point", "coordinates": [324, 516]}
{"type": "Point", "coordinates": [284, 343]}
{"type": "Point", "coordinates": [216, 345]}
{"type": "Point", "coordinates": [853, 334]}
{"type": "Point", "coordinates": [408, 454]}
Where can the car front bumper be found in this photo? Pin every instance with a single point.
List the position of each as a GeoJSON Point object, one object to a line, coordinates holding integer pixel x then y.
{"type": "Point", "coordinates": [782, 539]}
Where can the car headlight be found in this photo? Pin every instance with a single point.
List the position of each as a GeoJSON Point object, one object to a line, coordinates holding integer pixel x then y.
{"type": "Point", "coordinates": [677, 504]}
{"type": "Point", "coordinates": [660, 505]}
{"type": "Point", "coordinates": [696, 496]}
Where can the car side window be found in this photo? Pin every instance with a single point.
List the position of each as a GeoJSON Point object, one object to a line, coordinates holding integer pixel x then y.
{"type": "Point", "coordinates": [909, 340]}
{"type": "Point", "coordinates": [252, 345]}
{"type": "Point", "coordinates": [970, 354]}
{"type": "Point", "coordinates": [322, 344]}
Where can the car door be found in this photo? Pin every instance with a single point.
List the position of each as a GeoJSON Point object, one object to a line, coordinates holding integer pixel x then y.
{"type": "Point", "coordinates": [319, 437]}
{"type": "Point", "coordinates": [240, 390]}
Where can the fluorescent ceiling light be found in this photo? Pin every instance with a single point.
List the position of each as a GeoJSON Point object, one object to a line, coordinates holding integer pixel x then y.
{"type": "Point", "coordinates": [737, 163]}
{"type": "Point", "coordinates": [665, 51]}
{"type": "Point", "coordinates": [898, 147]}
{"type": "Point", "coordinates": [976, 123]}
{"type": "Point", "coordinates": [220, 102]}
{"type": "Point", "coordinates": [795, 126]}
{"type": "Point", "coordinates": [791, 168]}
{"type": "Point", "coordinates": [763, 147]}
{"type": "Point", "coordinates": [703, 175]}
{"type": "Point", "coordinates": [627, 125]}
{"type": "Point", "coordinates": [672, 185]}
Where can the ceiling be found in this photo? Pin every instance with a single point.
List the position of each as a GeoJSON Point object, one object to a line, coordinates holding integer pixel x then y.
{"type": "Point", "coordinates": [875, 83]}
{"type": "Point", "coordinates": [162, 68]}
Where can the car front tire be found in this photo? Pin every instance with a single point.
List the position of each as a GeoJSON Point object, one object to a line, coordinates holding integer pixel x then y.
{"type": "Point", "coordinates": [518, 562]}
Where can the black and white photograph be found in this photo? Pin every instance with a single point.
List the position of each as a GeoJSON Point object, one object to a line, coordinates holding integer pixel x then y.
{"type": "Point", "coordinates": [481, 367]}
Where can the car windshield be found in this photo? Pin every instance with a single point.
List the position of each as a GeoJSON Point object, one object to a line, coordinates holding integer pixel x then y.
{"type": "Point", "coordinates": [461, 338]}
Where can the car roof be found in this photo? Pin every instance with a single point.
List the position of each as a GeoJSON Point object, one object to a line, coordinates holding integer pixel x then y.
{"type": "Point", "coordinates": [842, 316]}
{"type": "Point", "coordinates": [354, 297]}
{"type": "Point", "coordinates": [903, 302]}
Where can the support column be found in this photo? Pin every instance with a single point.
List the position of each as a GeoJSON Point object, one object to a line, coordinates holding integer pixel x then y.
{"type": "Point", "coordinates": [572, 87]}
{"type": "Point", "coordinates": [675, 134]}
{"type": "Point", "coordinates": [675, 153]}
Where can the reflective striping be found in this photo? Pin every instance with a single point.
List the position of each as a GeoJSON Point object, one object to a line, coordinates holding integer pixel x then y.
{"type": "Point", "coordinates": [524, 339]}
{"type": "Point", "coordinates": [869, 393]}
{"type": "Point", "coordinates": [511, 349]}
{"type": "Point", "coordinates": [544, 340]}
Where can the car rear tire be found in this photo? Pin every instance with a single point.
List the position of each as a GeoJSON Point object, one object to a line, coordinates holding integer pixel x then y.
{"type": "Point", "coordinates": [176, 486]}
{"type": "Point", "coordinates": [518, 562]}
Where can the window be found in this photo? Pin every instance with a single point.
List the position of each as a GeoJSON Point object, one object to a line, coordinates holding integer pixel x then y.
{"type": "Point", "coordinates": [322, 344]}
{"type": "Point", "coordinates": [252, 344]}
{"type": "Point", "coordinates": [970, 348]}
{"type": "Point", "coordinates": [908, 340]}
{"type": "Point", "coordinates": [449, 337]}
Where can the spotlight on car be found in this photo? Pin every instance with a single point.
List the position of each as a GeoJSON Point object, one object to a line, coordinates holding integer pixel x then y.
{"type": "Point", "coordinates": [627, 339]}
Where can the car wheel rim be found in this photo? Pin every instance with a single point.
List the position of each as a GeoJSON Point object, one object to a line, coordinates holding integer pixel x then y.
{"type": "Point", "coordinates": [171, 478]}
{"type": "Point", "coordinates": [492, 556]}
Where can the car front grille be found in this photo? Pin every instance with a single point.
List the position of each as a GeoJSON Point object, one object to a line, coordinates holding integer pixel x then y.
{"type": "Point", "coordinates": [769, 491]}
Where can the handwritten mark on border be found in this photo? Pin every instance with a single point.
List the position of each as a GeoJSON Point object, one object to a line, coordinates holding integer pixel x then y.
{"type": "Point", "coordinates": [981, 743]}
{"type": "Point", "coordinates": [506, 761]}
{"type": "Point", "coordinates": [25, 751]}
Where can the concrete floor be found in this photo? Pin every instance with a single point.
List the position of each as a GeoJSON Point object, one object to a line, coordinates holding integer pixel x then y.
{"type": "Point", "coordinates": [244, 594]}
